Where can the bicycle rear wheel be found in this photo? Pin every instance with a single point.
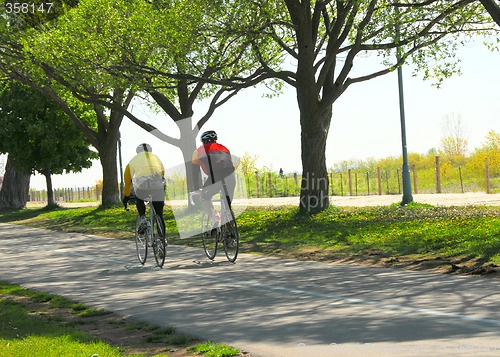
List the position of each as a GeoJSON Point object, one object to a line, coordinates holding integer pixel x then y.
{"type": "Point", "coordinates": [231, 236]}
{"type": "Point", "coordinates": [159, 242]}
{"type": "Point", "coordinates": [141, 242]}
{"type": "Point", "coordinates": [209, 236]}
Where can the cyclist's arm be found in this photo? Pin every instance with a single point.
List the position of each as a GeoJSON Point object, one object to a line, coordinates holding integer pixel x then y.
{"type": "Point", "coordinates": [127, 177]}
{"type": "Point", "coordinates": [195, 160]}
{"type": "Point", "coordinates": [162, 169]}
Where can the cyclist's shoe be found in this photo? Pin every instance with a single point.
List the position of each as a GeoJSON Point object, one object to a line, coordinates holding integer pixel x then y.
{"type": "Point", "coordinates": [217, 220]}
{"type": "Point", "coordinates": [142, 227]}
{"type": "Point", "coordinates": [231, 240]}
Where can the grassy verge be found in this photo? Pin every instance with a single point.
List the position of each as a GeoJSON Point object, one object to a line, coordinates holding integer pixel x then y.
{"type": "Point", "coordinates": [463, 239]}
{"type": "Point", "coordinates": [40, 324]}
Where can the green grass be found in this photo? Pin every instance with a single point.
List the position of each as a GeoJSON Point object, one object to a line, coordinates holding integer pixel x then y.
{"type": "Point", "coordinates": [210, 349]}
{"type": "Point", "coordinates": [419, 231]}
{"type": "Point", "coordinates": [26, 332]}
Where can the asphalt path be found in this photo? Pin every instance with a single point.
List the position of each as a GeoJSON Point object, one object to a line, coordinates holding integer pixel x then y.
{"type": "Point", "coordinates": [269, 307]}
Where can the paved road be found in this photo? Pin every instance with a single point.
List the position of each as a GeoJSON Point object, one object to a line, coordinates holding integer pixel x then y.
{"type": "Point", "coordinates": [267, 306]}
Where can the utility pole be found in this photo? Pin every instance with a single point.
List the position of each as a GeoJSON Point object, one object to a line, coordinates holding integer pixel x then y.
{"type": "Point", "coordinates": [407, 196]}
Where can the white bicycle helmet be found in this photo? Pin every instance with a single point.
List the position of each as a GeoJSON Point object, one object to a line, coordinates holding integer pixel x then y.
{"type": "Point", "coordinates": [143, 147]}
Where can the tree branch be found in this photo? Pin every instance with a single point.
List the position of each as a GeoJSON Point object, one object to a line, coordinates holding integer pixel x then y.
{"type": "Point", "coordinates": [493, 9]}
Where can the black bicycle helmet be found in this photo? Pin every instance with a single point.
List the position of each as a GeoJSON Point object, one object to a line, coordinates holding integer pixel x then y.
{"type": "Point", "coordinates": [208, 137]}
{"type": "Point", "coordinates": [143, 147]}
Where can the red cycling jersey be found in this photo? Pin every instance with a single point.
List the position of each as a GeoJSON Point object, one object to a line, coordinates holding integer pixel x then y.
{"type": "Point", "coordinates": [220, 158]}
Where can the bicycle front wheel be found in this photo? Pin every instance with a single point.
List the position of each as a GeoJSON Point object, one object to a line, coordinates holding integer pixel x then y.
{"type": "Point", "coordinates": [209, 236]}
{"type": "Point", "coordinates": [159, 242]}
{"type": "Point", "coordinates": [231, 237]}
{"type": "Point", "coordinates": [141, 242]}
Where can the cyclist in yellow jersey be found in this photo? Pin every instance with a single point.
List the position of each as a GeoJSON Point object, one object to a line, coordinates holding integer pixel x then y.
{"type": "Point", "coordinates": [145, 174]}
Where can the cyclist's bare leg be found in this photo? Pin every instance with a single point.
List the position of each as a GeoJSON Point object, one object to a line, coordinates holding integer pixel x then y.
{"type": "Point", "coordinates": [208, 207]}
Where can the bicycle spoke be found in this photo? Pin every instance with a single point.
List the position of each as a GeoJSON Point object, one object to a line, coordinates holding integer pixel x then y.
{"type": "Point", "coordinates": [209, 236]}
{"type": "Point", "coordinates": [231, 239]}
{"type": "Point", "coordinates": [141, 243]}
{"type": "Point", "coordinates": [159, 243]}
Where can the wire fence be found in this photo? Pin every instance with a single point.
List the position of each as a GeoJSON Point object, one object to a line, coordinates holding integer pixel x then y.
{"type": "Point", "coordinates": [75, 194]}
{"type": "Point", "coordinates": [443, 178]}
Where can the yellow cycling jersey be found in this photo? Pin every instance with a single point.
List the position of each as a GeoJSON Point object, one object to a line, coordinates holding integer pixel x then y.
{"type": "Point", "coordinates": [142, 165]}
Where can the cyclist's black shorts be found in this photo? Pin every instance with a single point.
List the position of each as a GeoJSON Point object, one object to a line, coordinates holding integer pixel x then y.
{"type": "Point", "coordinates": [210, 189]}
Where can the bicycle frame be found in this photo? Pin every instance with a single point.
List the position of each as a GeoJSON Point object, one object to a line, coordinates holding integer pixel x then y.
{"type": "Point", "coordinates": [152, 213]}
{"type": "Point", "coordinates": [226, 232]}
{"type": "Point", "coordinates": [148, 239]}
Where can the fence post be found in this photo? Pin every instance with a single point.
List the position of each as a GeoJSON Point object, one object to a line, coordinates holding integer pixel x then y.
{"type": "Point", "coordinates": [296, 181]}
{"type": "Point", "coordinates": [461, 180]}
{"type": "Point", "coordinates": [270, 180]}
{"type": "Point", "coordinates": [356, 182]}
{"type": "Point", "coordinates": [415, 181]}
{"type": "Point", "coordinates": [341, 185]}
{"type": "Point", "coordinates": [487, 166]}
{"type": "Point", "coordinates": [379, 181]}
{"type": "Point", "coordinates": [387, 182]}
{"type": "Point", "coordinates": [368, 183]}
{"type": "Point", "coordinates": [331, 183]}
{"type": "Point", "coordinates": [438, 175]}
{"type": "Point", "coordinates": [350, 181]}
{"type": "Point", "coordinates": [399, 181]}
{"type": "Point", "coordinates": [257, 183]}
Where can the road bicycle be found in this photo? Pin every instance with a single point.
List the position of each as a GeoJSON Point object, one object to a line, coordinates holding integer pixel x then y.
{"type": "Point", "coordinates": [219, 227]}
{"type": "Point", "coordinates": [153, 236]}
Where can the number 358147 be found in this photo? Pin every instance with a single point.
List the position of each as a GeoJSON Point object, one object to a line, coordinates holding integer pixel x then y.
{"type": "Point", "coordinates": [28, 8]}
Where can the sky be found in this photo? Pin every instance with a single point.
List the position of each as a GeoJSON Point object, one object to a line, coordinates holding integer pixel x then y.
{"type": "Point", "coordinates": [365, 123]}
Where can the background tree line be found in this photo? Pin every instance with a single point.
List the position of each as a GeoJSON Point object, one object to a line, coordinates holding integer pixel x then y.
{"type": "Point", "coordinates": [458, 173]}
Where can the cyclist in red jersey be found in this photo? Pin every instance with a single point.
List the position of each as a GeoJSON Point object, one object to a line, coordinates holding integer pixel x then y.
{"type": "Point", "coordinates": [215, 161]}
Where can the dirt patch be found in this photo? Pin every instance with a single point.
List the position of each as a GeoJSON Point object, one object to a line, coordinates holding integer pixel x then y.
{"type": "Point", "coordinates": [133, 337]}
{"type": "Point", "coordinates": [466, 266]}
{"type": "Point", "coordinates": [455, 266]}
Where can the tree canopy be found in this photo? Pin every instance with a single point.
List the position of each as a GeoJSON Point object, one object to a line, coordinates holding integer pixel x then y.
{"type": "Point", "coordinates": [173, 52]}
{"type": "Point", "coordinates": [19, 60]}
{"type": "Point", "coordinates": [38, 135]}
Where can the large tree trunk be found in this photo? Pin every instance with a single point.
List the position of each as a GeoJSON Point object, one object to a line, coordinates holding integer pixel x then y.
{"type": "Point", "coordinates": [314, 186]}
{"type": "Point", "coordinates": [15, 188]}
{"type": "Point", "coordinates": [50, 191]}
{"type": "Point", "coordinates": [110, 189]}
{"type": "Point", "coordinates": [315, 116]}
